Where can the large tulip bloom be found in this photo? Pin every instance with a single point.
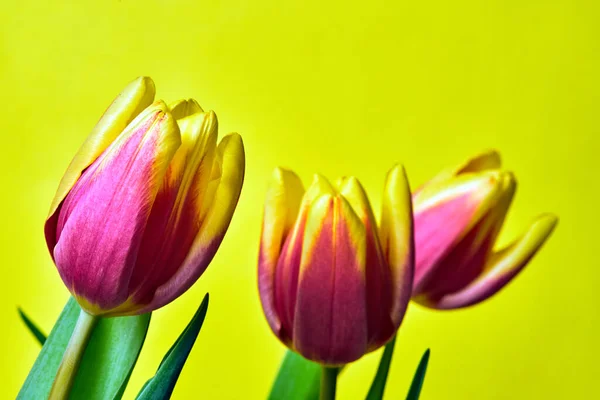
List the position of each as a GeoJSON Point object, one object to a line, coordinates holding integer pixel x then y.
{"type": "Point", "coordinates": [144, 204]}
{"type": "Point", "coordinates": [326, 287]}
{"type": "Point", "coordinates": [458, 215]}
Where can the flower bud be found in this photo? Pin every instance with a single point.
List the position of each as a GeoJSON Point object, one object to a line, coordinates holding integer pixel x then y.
{"type": "Point", "coordinates": [144, 204]}
{"type": "Point", "coordinates": [458, 216]}
{"type": "Point", "coordinates": [326, 287]}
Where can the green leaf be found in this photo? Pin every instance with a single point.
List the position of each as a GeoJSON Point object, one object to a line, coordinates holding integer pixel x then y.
{"type": "Point", "coordinates": [162, 384]}
{"type": "Point", "coordinates": [417, 382]}
{"type": "Point", "coordinates": [107, 362]}
{"type": "Point", "coordinates": [378, 385]}
{"type": "Point", "coordinates": [38, 382]}
{"type": "Point", "coordinates": [33, 328]}
{"type": "Point", "coordinates": [298, 379]}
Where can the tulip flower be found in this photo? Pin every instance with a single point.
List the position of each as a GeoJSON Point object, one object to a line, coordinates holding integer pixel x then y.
{"type": "Point", "coordinates": [144, 204]}
{"type": "Point", "coordinates": [458, 216]}
{"type": "Point", "coordinates": [332, 287]}
{"type": "Point", "coordinates": [141, 209]}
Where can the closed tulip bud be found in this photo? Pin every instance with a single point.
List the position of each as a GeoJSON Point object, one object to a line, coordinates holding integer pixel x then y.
{"type": "Point", "coordinates": [458, 216]}
{"type": "Point", "coordinates": [327, 289]}
{"type": "Point", "coordinates": [145, 203]}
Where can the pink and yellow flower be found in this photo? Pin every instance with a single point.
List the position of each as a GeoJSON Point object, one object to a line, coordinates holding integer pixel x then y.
{"type": "Point", "coordinates": [326, 286]}
{"type": "Point", "coordinates": [145, 203]}
{"type": "Point", "coordinates": [458, 216]}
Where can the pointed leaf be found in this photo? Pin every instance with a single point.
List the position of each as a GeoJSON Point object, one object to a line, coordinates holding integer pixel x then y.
{"type": "Point", "coordinates": [33, 328]}
{"type": "Point", "coordinates": [40, 378]}
{"type": "Point", "coordinates": [417, 382]}
{"type": "Point", "coordinates": [107, 362]}
{"type": "Point", "coordinates": [378, 385]}
{"type": "Point", "coordinates": [162, 384]}
{"type": "Point", "coordinates": [297, 379]}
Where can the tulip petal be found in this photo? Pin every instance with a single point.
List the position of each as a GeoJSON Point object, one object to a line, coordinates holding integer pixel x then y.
{"type": "Point", "coordinates": [184, 108]}
{"type": "Point", "coordinates": [136, 96]}
{"type": "Point", "coordinates": [380, 302]}
{"type": "Point", "coordinates": [101, 220]}
{"type": "Point", "coordinates": [286, 279]}
{"type": "Point", "coordinates": [467, 258]}
{"type": "Point", "coordinates": [318, 187]}
{"type": "Point", "coordinates": [219, 211]}
{"type": "Point", "coordinates": [398, 240]}
{"type": "Point", "coordinates": [355, 194]}
{"type": "Point", "coordinates": [288, 264]}
{"type": "Point", "coordinates": [331, 304]}
{"type": "Point", "coordinates": [175, 216]}
{"type": "Point", "coordinates": [444, 213]}
{"type": "Point", "coordinates": [485, 161]}
{"type": "Point", "coordinates": [284, 196]}
{"type": "Point", "coordinates": [195, 158]}
{"type": "Point", "coordinates": [502, 267]}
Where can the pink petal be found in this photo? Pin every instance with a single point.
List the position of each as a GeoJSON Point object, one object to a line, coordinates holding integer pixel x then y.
{"type": "Point", "coordinates": [286, 279]}
{"type": "Point", "coordinates": [444, 214]}
{"type": "Point", "coordinates": [379, 281]}
{"type": "Point", "coordinates": [136, 96]}
{"type": "Point", "coordinates": [215, 216]}
{"type": "Point", "coordinates": [330, 319]}
{"type": "Point", "coordinates": [284, 196]}
{"type": "Point", "coordinates": [175, 218]}
{"type": "Point", "coordinates": [502, 267]}
{"type": "Point", "coordinates": [102, 219]}
{"type": "Point", "coordinates": [468, 257]}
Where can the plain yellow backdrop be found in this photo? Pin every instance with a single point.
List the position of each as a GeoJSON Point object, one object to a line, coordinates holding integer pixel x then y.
{"type": "Point", "coordinates": [341, 89]}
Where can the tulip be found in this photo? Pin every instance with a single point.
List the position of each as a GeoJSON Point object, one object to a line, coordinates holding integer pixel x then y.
{"type": "Point", "coordinates": [141, 210]}
{"type": "Point", "coordinates": [458, 216]}
{"type": "Point", "coordinates": [332, 290]}
{"type": "Point", "coordinates": [144, 204]}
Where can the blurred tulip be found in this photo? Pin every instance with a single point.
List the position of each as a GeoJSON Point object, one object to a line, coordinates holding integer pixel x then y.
{"type": "Point", "coordinates": [145, 203]}
{"type": "Point", "coordinates": [458, 215]}
{"type": "Point", "coordinates": [326, 287]}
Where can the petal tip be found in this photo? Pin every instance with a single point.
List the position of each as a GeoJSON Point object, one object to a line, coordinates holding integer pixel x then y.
{"type": "Point", "coordinates": [184, 108]}
{"type": "Point", "coordinates": [212, 116]}
{"type": "Point", "coordinates": [492, 155]}
{"type": "Point", "coordinates": [545, 225]}
{"type": "Point", "coordinates": [147, 82]}
{"type": "Point", "coordinates": [281, 175]}
{"type": "Point", "coordinates": [349, 184]}
{"type": "Point", "coordinates": [320, 185]}
{"type": "Point", "coordinates": [234, 137]}
{"type": "Point", "coordinates": [488, 159]}
{"type": "Point", "coordinates": [232, 146]}
{"type": "Point", "coordinates": [398, 171]}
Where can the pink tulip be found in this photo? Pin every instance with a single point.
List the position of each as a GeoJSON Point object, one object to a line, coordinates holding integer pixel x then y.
{"type": "Point", "coordinates": [145, 203]}
{"type": "Point", "coordinates": [326, 287]}
{"type": "Point", "coordinates": [458, 216]}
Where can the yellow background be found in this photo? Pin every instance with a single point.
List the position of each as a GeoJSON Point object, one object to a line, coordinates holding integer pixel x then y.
{"type": "Point", "coordinates": [339, 89]}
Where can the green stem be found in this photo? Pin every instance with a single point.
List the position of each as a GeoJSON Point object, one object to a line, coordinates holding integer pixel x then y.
{"type": "Point", "coordinates": [72, 357]}
{"type": "Point", "coordinates": [328, 382]}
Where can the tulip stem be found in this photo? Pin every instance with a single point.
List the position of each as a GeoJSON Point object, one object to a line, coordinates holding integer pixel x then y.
{"type": "Point", "coordinates": [328, 382]}
{"type": "Point", "coordinates": [63, 382]}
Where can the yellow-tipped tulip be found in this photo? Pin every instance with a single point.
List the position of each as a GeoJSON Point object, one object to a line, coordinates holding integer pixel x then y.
{"type": "Point", "coordinates": [458, 216]}
{"type": "Point", "coordinates": [326, 287]}
{"type": "Point", "coordinates": [144, 204]}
